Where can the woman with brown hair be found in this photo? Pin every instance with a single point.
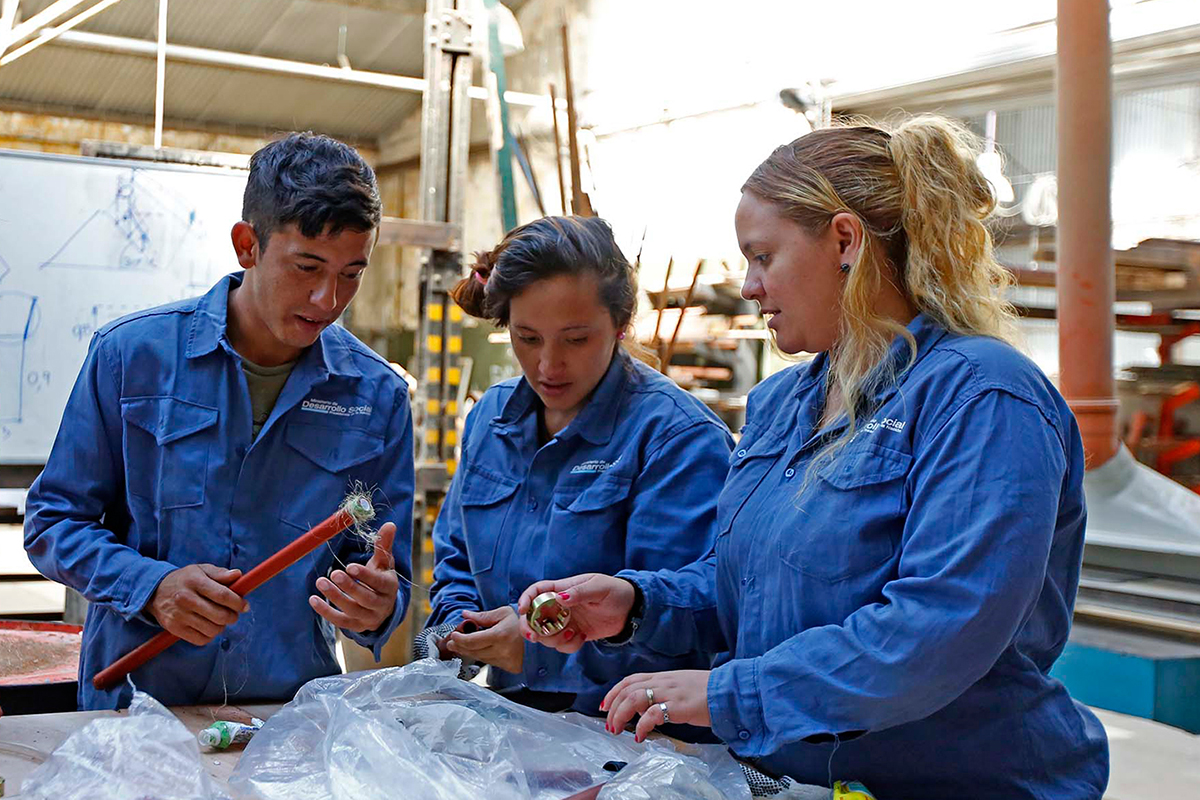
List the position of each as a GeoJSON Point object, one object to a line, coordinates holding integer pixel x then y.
{"type": "Point", "coordinates": [590, 461]}
{"type": "Point", "coordinates": [900, 535]}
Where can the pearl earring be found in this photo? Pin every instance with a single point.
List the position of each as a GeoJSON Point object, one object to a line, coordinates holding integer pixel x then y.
{"type": "Point", "coordinates": [844, 268]}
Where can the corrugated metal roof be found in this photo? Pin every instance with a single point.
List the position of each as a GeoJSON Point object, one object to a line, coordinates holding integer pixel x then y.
{"type": "Point", "coordinates": [63, 77]}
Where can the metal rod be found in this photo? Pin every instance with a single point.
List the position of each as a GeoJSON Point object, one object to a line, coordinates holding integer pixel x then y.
{"type": "Point", "coordinates": [42, 19]}
{"type": "Point", "coordinates": [662, 303]}
{"type": "Point", "coordinates": [50, 34]}
{"type": "Point", "coordinates": [579, 201]}
{"type": "Point", "coordinates": [687, 302]}
{"type": "Point", "coordinates": [1086, 277]}
{"type": "Point", "coordinates": [1137, 619]}
{"type": "Point", "coordinates": [8, 13]}
{"type": "Point", "coordinates": [160, 74]}
{"type": "Point", "coordinates": [223, 58]}
{"type": "Point", "coordinates": [562, 183]}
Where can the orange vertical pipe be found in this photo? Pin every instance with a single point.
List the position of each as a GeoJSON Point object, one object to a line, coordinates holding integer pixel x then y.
{"type": "Point", "coordinates": [1086, 277]}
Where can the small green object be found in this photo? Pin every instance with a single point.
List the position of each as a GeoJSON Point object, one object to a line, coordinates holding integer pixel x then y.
{"type": "Point", "coordinates": [221, 734]}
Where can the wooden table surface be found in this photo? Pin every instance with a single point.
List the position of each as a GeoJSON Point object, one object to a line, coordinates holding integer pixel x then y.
{"type": "Point", "coordinates": [27, 740]}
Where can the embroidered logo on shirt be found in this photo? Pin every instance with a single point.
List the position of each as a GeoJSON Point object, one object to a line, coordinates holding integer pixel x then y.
{"type": "Point", "coordinates": [333, 407]}
{"type": "Point", "coordinates": [595, 465]}
{"type": "Point", "coordinates": [887, 424]}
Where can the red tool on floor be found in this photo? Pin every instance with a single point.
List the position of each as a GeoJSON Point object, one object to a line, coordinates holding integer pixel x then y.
{"type": "Point", "coordinates": [356, 510]}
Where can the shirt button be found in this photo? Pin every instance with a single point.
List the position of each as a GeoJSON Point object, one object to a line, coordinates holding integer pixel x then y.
{"type": "Point", "coordinates": [533, 504]}
{"type": "Point", "coordinates": [789, 473]}
{"type": "Point", "coordinates": [224, 644]}
{"type": "Point", "coordinates": [741, 453]}
{"type": "Point", "coordinates": [541, 672]}
{"type": "Point", "coordinates": [744, 735]}
{"type": "Point", "coordinates": [237, 548]}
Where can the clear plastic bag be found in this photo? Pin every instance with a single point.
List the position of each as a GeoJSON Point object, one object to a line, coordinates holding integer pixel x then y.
{"type": "Point", "coordinates": [420, 733]}
{"type": "Point", "coordinates": [147, 754]}
{"type": "Point", "coordinates": [659, 775]}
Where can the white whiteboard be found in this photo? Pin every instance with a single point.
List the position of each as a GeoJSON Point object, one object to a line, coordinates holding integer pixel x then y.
{"type": "Point", "coordinates": [84, 241]}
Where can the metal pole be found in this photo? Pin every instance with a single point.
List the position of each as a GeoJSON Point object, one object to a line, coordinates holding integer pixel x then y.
{"type": "Point", "coordinates": [562, 184]}
{"type": "Point", "coordinates": [50, 34]}
{"type": "Point", "coordinates": [160, 80]}
{"type": "Point", "coordinates": [8, 13]}
{"type": "Point", "coordinates": [41, 19]}
{"type": "Point", "coordinates": [1086, 276]}
{"type": "Point", "coordinates": [203, 55]}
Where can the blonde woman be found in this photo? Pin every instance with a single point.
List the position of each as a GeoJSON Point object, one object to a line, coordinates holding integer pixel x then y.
{"type": "Point", "coordinates": [900, 534]}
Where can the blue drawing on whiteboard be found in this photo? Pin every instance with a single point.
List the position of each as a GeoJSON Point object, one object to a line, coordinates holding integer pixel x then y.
{"type": "Point", "coordinates": [142, 229]}
{"type": "Point", "coordinates": [18, 319]}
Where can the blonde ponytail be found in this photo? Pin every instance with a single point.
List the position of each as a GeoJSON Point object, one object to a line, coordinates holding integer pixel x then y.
{"type": "Point", "coordinates": [951, 272]}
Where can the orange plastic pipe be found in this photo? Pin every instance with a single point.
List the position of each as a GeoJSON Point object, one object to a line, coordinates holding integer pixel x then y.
{"type": "Point", "coordinates": [111, 675]}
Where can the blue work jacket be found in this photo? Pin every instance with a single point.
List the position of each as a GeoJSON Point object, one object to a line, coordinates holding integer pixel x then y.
{"type": "Point", "coordinates": [631, 482]}
{"type": "Point", "coordinates": [907, 597]}
{"type": "Point", "coordinates": [154, 468]}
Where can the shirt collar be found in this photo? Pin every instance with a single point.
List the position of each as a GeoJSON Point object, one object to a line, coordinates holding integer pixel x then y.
{"type": "Point", "coordinates": [596, 421]}
{"type": "Point", "coordinates": [210, 327]}
{"type": "Point", "coordinates": [924, 330]}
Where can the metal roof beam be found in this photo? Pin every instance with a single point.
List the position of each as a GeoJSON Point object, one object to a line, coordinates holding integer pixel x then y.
{"type": "Point", "coordinates": [8, 14]}
{"type": "Point", "coordinates": [50, 34]}
{"type": "Point", "coordinates": [41, 20]}
{"type": "Point", "coordinates": [222, 58]}
{"type": "Point", "coordinates": [416, 7]}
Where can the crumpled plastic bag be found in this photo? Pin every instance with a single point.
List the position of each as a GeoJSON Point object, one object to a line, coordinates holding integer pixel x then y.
{"type": "Point", "coordinates": [147, 754]}
{"type": "Point", "coordinates": [420, 733]}
{"type": "Point", "coordinates": [659, 775]}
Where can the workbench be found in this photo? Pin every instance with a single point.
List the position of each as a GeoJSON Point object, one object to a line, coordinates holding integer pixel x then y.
{"type": "Point", "coordinates": [27, 740]}
{"type": "Point", "coordinates": [1143, 753]}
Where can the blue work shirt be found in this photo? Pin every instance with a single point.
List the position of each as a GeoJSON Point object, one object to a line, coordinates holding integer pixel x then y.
{"type": "Point", "coordinates": [911, 597]}
{"type": "Point", "coordinates": [632, 482]}
{"type": "Point", "coordinates": [154, 469]}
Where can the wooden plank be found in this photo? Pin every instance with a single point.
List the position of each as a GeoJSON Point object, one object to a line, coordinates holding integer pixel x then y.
{"type": "Point", "coordinates": [13, 560]}
{"type": "Point", "coordinates": [419, 233]}
{"type": "Point", "coordinates": [22, 598]}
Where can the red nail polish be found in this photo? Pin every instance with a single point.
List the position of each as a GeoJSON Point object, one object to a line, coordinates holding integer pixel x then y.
{"type": "Point", "coordinates": [569, 635]}
{"type": "Point", "coordinates": [529, 636]}
{"type": "Point", "coordinates": [564, 595]}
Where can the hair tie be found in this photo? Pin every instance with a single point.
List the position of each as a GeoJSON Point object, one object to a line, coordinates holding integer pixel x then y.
{"type": "Point", "coordinates": [479, 276]}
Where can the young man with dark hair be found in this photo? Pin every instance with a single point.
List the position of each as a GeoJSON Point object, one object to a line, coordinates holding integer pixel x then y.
{"type": "Point", "coordinates": [204, 435]}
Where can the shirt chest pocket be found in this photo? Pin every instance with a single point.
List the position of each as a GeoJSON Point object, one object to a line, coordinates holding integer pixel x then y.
{"type": "Point", "coordinates": [166, 444]}
{"type": "Point", "coordinates": [485, 506]}
{"type": "Point", "coordinates": [749, 463]}
{"type": "Point", "coordinates": [322, 470]}
{"type": "Point", "coordinates": [851, 515]}
{"type": "Point", "coordinates": [587, 526]}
